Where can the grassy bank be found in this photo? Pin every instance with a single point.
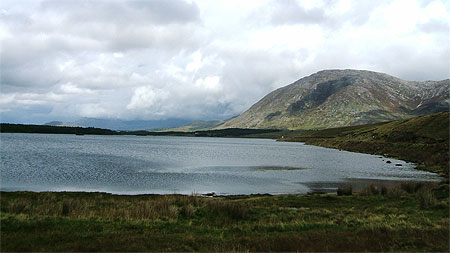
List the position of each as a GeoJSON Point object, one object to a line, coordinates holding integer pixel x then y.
{"type": "Point", "coordinates": [408, 217]}
{"type": "Point", "coordinates": [423, 140]}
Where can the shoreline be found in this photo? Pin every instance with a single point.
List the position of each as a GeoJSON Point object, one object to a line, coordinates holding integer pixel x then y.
{"type": "Point", "coordinates": [317, 187]}
{"type": "Point", "coordinates": [421, 167]}
{"type": "Point", "coordinates": [338, 145]}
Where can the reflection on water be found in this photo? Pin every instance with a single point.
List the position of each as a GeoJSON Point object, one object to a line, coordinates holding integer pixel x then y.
{"type": "Point", "coordinates": [134, 165]}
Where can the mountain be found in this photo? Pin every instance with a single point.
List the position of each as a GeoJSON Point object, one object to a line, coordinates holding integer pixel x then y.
{"type": "Point", "coordinates": [334, 98]}
{"type": "Point", "coordinates": [54, 123]}
{"type": "Point", "coordinates": [197, 125]}
{"type": "Point", "coordinates": [117, 124]}
{"type": "Point", "coordinates": [60, 123]}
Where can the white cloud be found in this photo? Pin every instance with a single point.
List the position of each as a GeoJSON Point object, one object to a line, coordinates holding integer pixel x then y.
{"type": "Point", "coordinates": [201, 59]}
{"type": "Point", "coordinates": [210, 83]}
{"type": "Point", "coordinates": [73, 89]}
{"type": "Point", "coordinates": [94, 111]}
{"type": "Point", "coordinates": [148, 98]}
{"type": "Point", "coordinates": [6, 99]}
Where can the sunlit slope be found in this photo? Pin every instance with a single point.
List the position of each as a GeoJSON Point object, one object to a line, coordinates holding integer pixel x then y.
{"type": "Point", "coordinates": [334, 98]}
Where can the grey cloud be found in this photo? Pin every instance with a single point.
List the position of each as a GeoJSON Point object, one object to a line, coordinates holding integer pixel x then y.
{"type": "Point", "coordinates": [434, 26]}
{"type": "Point", "coordinates": [254, 73]}
{"type": "Point", "coordinates": [359, 14]}
{"type": "Point", "coordinates": [395, 59]}
{"type": "Point", "coordinates": [102, 25]}
{"type": "Point", "coordinates": [164, 11]}
{"type": "Point", "coordinates": [169, 38]}
{"type": "Point", "coordinates": [33, 115]}
{"type": "Point", "coordinates": [289, 12]}
{"type": "Point", "coordinates": [81, 31]}
{"type": "Point", "coordinates": [158, 59]}
{"type": "Point", "coordinates": [26, 73]}
{"type": "Point", "coordinates": [125, 13]}
{"type": "Point", "coordinates": [244, 73]}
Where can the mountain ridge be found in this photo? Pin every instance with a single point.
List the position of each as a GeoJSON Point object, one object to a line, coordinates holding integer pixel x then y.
{"type": "Point", "coordinates": [334, 98]}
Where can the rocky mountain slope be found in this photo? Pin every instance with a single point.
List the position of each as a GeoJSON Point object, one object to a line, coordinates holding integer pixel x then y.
{"type": "Point", "coordinates": [333, 98]}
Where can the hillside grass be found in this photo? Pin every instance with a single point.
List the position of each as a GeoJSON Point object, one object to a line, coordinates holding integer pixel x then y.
{"type": "Point", "coordinates": [423, 140]}
{"type": "Point", "coordinates": [408, 217]}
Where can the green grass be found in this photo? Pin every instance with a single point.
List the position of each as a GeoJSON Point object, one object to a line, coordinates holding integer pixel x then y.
{"type": "Point", "coordinates": [403, 218]}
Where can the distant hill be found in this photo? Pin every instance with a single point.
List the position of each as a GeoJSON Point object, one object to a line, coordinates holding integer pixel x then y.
{"type": "Point", "coordinates": [117, 124]}
{"type": "Point", "coordinates": [54, 123]}
{"type": "Point", "coordinates": [60, 123]}
{"type": "Point", "coordinates": [333, 98]}
{"type": "Point", "coordinates": [197, 125]}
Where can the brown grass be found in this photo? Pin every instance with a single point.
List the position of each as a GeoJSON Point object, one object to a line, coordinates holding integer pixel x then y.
{"type": "Point", "coordinates": [395, 221]}
{"type": "Point", "coordinates": [426, 198]}
{"type": "Point", "coordinates": [396, 192]}
{"type": "Point", "coordinates": [371, 189]}
{"type": "Point", "coordinates": [231, 209]}
{"type": "Point", "coordinates": [152, 207]}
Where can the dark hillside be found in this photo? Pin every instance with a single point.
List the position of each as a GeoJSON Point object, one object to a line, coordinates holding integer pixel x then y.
{"type": "Point", "coordinates": [336, 98]}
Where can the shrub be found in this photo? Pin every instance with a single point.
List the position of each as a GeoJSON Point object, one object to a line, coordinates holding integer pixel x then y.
{"type": "Point", "coordinates": [345, 190]}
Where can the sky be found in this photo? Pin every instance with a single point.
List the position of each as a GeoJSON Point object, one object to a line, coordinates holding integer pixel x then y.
{"type": "Point", "coordinates": [205, 59]}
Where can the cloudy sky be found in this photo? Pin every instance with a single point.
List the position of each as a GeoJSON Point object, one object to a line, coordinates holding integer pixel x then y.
{"type": "Point", "coordinates": [205, 59]}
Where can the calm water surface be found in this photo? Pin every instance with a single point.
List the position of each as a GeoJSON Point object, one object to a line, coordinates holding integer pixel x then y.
{"type": "Point", "coordinates": [136, 164]}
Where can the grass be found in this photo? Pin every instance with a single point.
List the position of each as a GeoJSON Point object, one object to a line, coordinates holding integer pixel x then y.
{"type": "Point", "coordinates": [414, 220]}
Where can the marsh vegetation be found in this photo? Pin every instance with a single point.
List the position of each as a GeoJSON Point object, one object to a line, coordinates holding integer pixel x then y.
{"type": "Point", "coordinates": [405, 217]}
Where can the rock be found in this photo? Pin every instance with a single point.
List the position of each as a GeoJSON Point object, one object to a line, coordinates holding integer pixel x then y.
{"type": "Point", "coordinates": [388, 162]}
{"type": "Point", "coordinates": [398, 164]}
{"type": "Point", "coordinates": [297, 106]}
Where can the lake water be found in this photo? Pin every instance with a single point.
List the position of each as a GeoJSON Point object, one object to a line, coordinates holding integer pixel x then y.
{"type": "Point", "coordinates": [137, 165]}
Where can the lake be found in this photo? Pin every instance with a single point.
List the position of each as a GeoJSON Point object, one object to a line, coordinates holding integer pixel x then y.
{"type": "Point", "coordinates": [164, 164]}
